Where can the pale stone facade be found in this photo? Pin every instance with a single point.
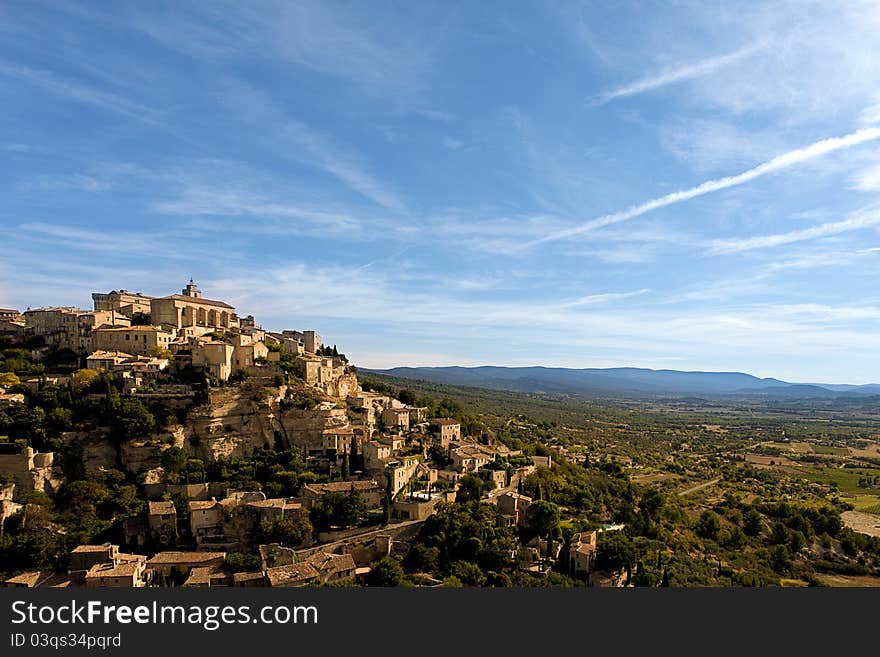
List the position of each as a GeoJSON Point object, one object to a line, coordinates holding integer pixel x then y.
{"type": "Point", "coordinates": [189, 309]}
{"type": "Point", "coordinates": [32, 470]}
{"type": "Point", "coordinates": [582, 552]}
{"type": "Point", "coordinates": [135, 340]}
{"type": "Point", "coordinates": [447, 429]}
{"type": "Point", "coordinates": [123, 302]}
{"type": "Point", "coordinates": [214, 356]}
{"type": "Point", "coordinates": [311, 340]}
{"type": "Point", "coordinates": [71, 328]}
{"type": "Point", "coordinates": [396, 418]}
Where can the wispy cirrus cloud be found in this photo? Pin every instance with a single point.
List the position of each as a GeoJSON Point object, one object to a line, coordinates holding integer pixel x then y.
{"type": "Point", "coordinates": [66, 182]}
{"type": "Point", "coordinates": [778, 163]}
{"type": "Point", "coordinates": [678, 74]}
{"type": "Point", "coordinates": [342, 165]}
{"type": "Point", "coordinates": [863, 219]}
{"type": "Point", "coordinates": [78, 92]}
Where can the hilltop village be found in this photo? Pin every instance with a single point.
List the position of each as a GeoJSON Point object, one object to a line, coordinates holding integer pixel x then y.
{"type": "Point", "coordinates": [187, 445]}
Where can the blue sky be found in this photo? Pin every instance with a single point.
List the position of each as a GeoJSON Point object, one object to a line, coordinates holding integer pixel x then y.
{"type": "Point", "coordinates": [679, 185]}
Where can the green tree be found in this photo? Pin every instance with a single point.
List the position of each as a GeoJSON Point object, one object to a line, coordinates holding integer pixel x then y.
{"type": "Point", "coordinates": [292, 530]}
{"type": "Point", "coordinates": [753, 523]}
{"type": "Point", "coordinates": [174, 460]}
{"type": "Point", "coordinates": [470, 488]}
{"type": "Point", "coordinates": [388, 572]}
{"type": "Point", "coordinates": [237, 562]}
{"type": "Point", "coordinates": [468, 573]}
{"type": "Point", "coordinates": [543, 517]}
{"type": "Point", "coordinates": [708, 525]}
{"type": "Point", "coordinates": [422, 559]}
{"type": "Point", "coordinates": [780, 559]}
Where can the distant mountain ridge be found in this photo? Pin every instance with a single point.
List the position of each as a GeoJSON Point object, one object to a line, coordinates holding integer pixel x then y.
{"type": "Point", "coordinates": [621, 380]}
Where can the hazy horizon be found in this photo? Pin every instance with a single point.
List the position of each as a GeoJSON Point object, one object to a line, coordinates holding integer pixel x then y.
{"type": "Point", "coordinates": [683, 187]}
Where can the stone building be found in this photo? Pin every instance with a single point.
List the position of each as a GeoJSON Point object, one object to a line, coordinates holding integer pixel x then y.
{"type": "Point", "coordinates": [32, 470]}
{"type": "Point", "coordinates": [181, 563]}
{"type": "Point", "coordinates": [370, 491]}
{"type": "Point", "coordinates": [247, 351]}
{"type": "Point", "coordinates": [470, 458]}
{"type": "Point", "coordinates": [135, 340]}
{"type": "Point", "coordinates": [446, 429]}
{"type": "Point", "coordinates": [582, 552]}
{"type": "Point", "coordinates": [162, 519]}
{"type": "Point", "coordinates": [123, 302]}
{"type": "Point", "coordinates": [310, 340]}
{"type": "Point", "coordinates": [69, 327]}
{"type": "Point", "coordinates": [205, 520]}
{"type": "Point", "coordinates": [512, 507]}
{"type": "Point", "coordinates": [121, 573]}
{"type": "Point", "coordinates": [189, 309]}
{"type": "Point", "coordinates": [396, 418]}
{"type": "Point", "coordinates": [214, 356]}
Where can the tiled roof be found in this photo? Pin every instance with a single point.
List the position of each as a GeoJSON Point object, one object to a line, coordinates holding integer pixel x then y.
{"type": "Point", "coordinates": [197, 300]}
{"type": "Point", "coordinates": [297, 573]}
{"type": "Point", "coordinates": [161, 508]}
{"type": "Point", "coordinates": [172, 557]}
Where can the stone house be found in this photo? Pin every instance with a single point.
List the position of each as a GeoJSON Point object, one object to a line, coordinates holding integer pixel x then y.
{"type": "Point", "coordinates": [69, 327]}
{"type": "Point", "coordinates": [512, 507]}
{"type": "Point", "coordinates": [205, 518]}
{"type": "Point", "coordinates": [135, 340]}
{"type": "Point", "coordinates": [497, 477]}
{"type": "Point", "coordinates": [332, 567]}
{"type": "Point", "coordinates": [296, 574]}
{"type": "Point", "coordinates": [582, 553]}
{"type": "Point", "coordinates": [470, 458]}
{"type": "Point", "coordinates": [162, 519]}
{"type": "Point", "coordinates": [310, 340]}
{"type": "Point", "coordinates": [276, 508]}
{"type": "Point", "coordinates": [249, 579]}
{"type": "Point", "coordinates": [214, 356]}
{"type": "Point", "coordinates": [446, 429]}
{"type": "Point", "coordinates": [9, 314]}
{"type": "Point", "coordinates": [370, 491]}
{"type": "Point", "coordinates": [396, 418]}
{"type": "Point", "coordinates": [542, 461]}
{"type": "Point", "coordinates": [123, 302]}
{"type": "Point", "coordinates": [247, 350]}
{"type": "Point", "coordinates": [127, 573]}
{"type": "Point", "coordinates": [375, 455]}
{"type": "Point", "coordinates": [172, 563]}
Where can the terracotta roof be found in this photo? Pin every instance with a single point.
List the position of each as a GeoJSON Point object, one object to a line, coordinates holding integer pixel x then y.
{"type": "Point", "coordinates": [159, 508]}
{"type": "Point", "coordinates": [197, 300]}
{"type": "Point", "coordinates": [341, 486]}
{"type": "Point", "coordinates": [28, 579]}
{"type": "Point", "coordinates": [330, 564]}
{"type": "Point", "coordinates": [173, 557]}
{"type": "Point", "coordinates": [247, 577]}
{"type": "Point", "coordinates": [200, 575]}
{"type": "Point", "coordinates": [444, 421]}
{"type": "Point", "coordinates": [102, 354]}
{"type": "Point", "coordinates": [200, 505]}
{"type": "Point", "coordinates": [81, 549]}
{"type": "Point", "coordinates": [122, 329]}
{"type": "Point", "coordinates": [124, 569]}
{"type": "Point", "coordinates": [291, 575]}
{"type": "Point", "coordinates": [278, 502]}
